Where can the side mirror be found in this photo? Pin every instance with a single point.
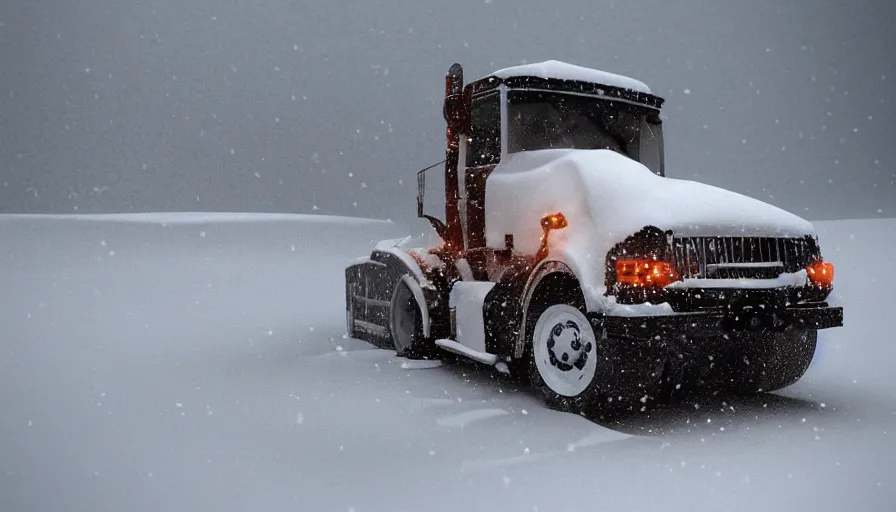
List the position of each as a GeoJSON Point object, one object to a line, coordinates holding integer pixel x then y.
{"type": "Point", "coordinates": [421, 190]}
{"type": "Point", "coordinates": [437, 224]}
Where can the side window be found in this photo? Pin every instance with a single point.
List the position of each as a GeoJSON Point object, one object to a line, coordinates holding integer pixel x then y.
{"type": "Point", "coordinates": [650, 148]}
{"type": "Point", "coordinates": [485, 143]}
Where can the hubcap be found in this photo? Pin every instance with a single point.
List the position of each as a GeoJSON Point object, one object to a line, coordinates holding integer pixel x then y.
{"type": "Point", "coordinates": [564, 350]}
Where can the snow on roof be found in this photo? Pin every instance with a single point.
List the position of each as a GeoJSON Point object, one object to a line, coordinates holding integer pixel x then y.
{"type": "Point", "coordinates": [563, 71]}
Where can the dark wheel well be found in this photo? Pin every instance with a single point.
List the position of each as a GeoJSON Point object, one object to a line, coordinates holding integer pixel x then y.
{"type": "Point", "coordinates": [554, 288]}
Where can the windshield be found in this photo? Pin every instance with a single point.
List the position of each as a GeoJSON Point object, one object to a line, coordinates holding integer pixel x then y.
{"type": "Point", "coordinates": [552, 120]}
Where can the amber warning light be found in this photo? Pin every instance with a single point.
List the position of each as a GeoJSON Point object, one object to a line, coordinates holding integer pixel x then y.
{"type": "Point", "coordinates": [553, 221]}
{"type": "Point", "coordinates": [821, 274]}
{"type": "Point", "coordinates": [645, 273]}
{"type": "Point", "coordinates": [549, 223]}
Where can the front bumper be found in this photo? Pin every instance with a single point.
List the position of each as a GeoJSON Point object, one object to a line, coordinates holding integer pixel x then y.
{"type": "Point", "coordinates": [719, 321]}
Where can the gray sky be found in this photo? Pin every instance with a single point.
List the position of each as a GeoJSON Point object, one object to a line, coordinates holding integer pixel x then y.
{"type": "Point", "coordinates": [330, 107]}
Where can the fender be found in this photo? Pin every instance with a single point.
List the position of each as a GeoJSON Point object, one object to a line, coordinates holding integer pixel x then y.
{"type": "Point", "coordinates": [544, 268]}
{"type": "Point", "coordinates": [379, 277]}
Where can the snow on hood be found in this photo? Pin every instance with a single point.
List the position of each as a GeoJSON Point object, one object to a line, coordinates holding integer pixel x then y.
{"type": "Point", "coordinates": [607, 197]}
{"type": "Point", "coordinates": [624, 196]}
{"type": "Point", "coordinates": [563, 71]}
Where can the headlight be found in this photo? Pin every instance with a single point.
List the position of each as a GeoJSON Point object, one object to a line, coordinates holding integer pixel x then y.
{"type": "Point", "coordinates": [645, 273]}
{"type": "Point", "coordinates": [821, 274]}
{"type": "Point", "coordinates": [639, 267]}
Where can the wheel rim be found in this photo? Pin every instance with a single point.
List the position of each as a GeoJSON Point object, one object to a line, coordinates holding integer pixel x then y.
{"type": "Point", "coordinates": [565, 350]}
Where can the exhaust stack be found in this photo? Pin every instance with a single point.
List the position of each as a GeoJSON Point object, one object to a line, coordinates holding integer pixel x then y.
{"type": "Point", "coordinates": [457, 120]}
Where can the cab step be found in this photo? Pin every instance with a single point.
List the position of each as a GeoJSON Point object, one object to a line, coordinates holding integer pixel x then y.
{"type": "Point", "coordinates": [457, 348]}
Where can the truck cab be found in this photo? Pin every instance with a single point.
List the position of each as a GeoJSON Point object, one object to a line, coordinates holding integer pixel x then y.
{"type": "Point", "coordinates": [550, 105]}
{"type": "Point", "coordinates": [566, 257]}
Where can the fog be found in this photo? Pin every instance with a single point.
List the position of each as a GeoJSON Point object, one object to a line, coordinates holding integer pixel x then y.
{"type": "Point", "coordinates": [330, 107]}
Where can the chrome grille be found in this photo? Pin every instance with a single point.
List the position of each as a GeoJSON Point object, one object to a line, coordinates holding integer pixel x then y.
{"type": "Point", "coordinates": [740, 257]}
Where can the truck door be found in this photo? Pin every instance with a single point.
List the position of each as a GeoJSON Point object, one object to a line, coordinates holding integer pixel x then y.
{"type": "Point", "coordinates": [482, 155]}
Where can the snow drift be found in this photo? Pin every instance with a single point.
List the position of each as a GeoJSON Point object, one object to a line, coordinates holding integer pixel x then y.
{"type": "Point", "coordinates": [198, 363]}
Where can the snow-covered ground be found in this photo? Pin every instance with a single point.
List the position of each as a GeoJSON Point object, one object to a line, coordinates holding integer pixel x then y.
{"type": "Point", "coordinates": [198, 363]}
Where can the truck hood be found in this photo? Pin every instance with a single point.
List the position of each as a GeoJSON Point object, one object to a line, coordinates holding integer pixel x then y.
{"type": "Point", "coordinates": [622, 196]}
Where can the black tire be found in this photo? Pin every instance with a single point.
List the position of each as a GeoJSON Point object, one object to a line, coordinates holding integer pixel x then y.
{"type": "Point", "coordinates": [519, 371]}
{"type": "Point", "coordinates": [406, 325]}
{"type": "Point", "coordinates": [763, 362]}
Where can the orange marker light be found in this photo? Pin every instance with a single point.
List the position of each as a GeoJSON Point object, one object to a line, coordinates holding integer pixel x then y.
{"type": "Point", "coordinates": [645, 273]}
{"type": "Point", "coordinates": [554, 221]}
{"type": "Point", "coordinates": [549, 223]}
{"type": "Point", "coordinates": [821, 274]}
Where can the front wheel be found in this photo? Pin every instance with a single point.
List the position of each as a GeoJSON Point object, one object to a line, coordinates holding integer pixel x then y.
{"type": "Point", "coordinates": [563, 365]}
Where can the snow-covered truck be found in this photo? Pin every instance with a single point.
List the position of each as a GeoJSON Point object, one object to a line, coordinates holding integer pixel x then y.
{"type": "Point", "coordinates": [567, 258]}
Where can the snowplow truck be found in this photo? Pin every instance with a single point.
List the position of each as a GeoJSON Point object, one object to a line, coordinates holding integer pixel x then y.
{"type": "Point", "coordinates": [565, 256]}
